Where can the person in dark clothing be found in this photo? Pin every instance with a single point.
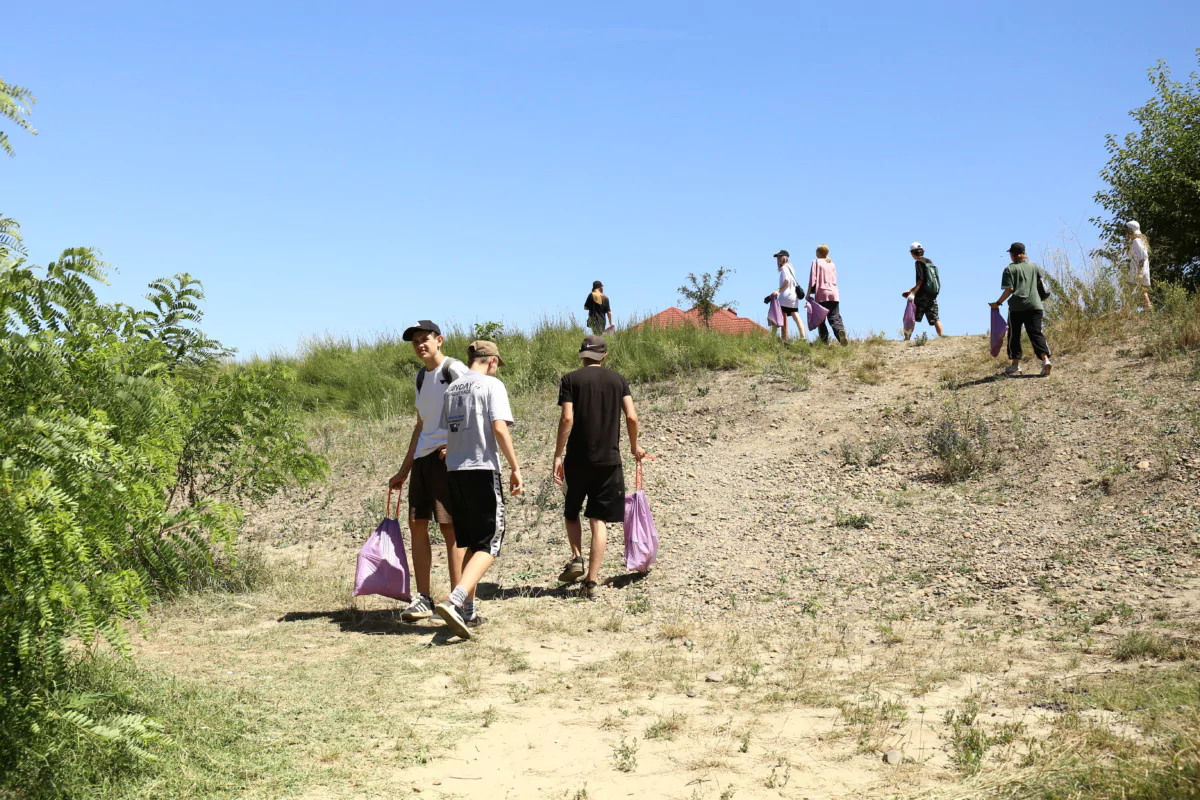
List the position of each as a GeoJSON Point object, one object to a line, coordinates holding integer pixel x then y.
{"type": "Point", "coordinates": [598, 309]}
{"type": "Point", "coordinates": [924, 293]}
{"type": "Point", "coordinates": [589, 430]}
{"type": "Point", "coordinates": [1025, 309]}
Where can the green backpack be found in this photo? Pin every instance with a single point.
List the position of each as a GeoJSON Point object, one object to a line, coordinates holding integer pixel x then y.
{"type": "Point", "coordinates": [933, 284]}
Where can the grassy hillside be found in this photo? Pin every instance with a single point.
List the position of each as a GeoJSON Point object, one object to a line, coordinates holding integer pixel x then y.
{"type": "Point", "coordinates": [374, 380]}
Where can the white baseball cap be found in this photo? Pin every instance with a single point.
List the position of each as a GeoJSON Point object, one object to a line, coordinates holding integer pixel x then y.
{"type": "Point", "coordinates": [915, 246]}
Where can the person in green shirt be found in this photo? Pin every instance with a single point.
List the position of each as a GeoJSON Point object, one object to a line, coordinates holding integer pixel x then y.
{"type": "Point", "coordinates": [1025, 310]}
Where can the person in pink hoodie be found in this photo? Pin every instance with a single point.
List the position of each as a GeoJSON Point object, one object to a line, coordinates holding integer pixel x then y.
{"type": "Point", "coordinates": [822, 287]}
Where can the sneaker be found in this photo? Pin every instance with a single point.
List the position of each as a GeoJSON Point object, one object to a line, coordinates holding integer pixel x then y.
{"type": "Point", "coordinates": [572, 572]}
{"type": "Point", "coordinates": [1012, 369]}
{"type": "Point", "coordinates": [451, 615]}
{"type": "Point", "coordinates": [476, 621]}
{"type": "Point", "coordinates": [588, 590]}
{"type": "Point", "coordinates": [1046, 367]}
{"type": "Point", "coordinates": [421, 608]}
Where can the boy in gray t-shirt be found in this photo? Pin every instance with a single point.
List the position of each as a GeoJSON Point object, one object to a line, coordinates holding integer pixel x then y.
{"type": "Point", "coordinates": [476, 415]}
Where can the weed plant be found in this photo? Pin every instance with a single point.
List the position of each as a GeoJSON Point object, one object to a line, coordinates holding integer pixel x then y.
{"type": "Point", "coordinates": [961, 443]}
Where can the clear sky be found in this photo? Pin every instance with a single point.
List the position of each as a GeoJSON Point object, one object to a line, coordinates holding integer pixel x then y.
{"type": "Point", "coordinates": [348, 167]}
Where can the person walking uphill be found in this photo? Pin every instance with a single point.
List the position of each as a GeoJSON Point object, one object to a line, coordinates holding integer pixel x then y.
{"type": "Point", "coordinates": [598, 308]}
{"type": "Point", "coordinates": [924, 293]}
{"type": "Point", "coordinates": [424, 465]}
{"type": "Point", "coordinates": [822, 287]}
{"type": "Point", "coordinates": [789, 294]}
{"type": "Point", "coordinates": [1139, 261]}
{"type": "Point", "coordinates": [589, 429]}
{"type": "Point", "coordinates": [476, 415]}
{"type": "Point", "coordinates": [1025, 309]}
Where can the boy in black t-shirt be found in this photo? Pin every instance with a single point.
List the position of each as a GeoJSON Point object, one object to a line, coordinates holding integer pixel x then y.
{"type": "Point", "coordinates": [924, 293]}
{"type": "Point", "coordinates": [592, 399]}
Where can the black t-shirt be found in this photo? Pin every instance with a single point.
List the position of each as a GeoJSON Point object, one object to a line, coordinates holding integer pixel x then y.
{"type": "Point", "coordinates": [596, 310]}
{"type": "Point", "coordinates": [596, 394]}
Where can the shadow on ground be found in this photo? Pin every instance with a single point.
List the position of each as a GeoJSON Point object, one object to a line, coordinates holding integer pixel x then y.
{"type": "Point", "coordinates": [378, 622]}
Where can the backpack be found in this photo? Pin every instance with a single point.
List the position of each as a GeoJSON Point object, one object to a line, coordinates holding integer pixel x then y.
{"type": "Point", "coordinates": [933, 284]}
{"type": "Point", "coordinates": [444, 368]}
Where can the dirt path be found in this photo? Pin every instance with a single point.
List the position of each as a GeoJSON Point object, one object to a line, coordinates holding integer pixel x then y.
{"type": "Point", "coordinates": [807, 616]}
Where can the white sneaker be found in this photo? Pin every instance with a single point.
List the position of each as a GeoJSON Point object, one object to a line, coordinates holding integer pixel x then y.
{"type": "Point", "coordinates": [1046, 369]}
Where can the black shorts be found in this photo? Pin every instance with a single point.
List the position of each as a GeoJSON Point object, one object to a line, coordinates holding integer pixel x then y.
{"type": "Point", "coordinates": [478, 501]}
{"type": "Point", "coordinates": [926, 308]}
{"type": "Point", "coordinates": [787, 310]}
{"type": "Point", "coordinates": [428, 490]}
{"type": "Point", "coordinates": [604, 488]}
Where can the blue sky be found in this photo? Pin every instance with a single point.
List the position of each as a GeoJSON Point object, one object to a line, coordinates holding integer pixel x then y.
{"type": "Point", "coordinates": [346, 168]}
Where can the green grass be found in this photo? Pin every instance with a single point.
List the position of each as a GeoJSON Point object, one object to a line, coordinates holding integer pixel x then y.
{"type": "Point", "coordinates": [375, 380]}
{"type": "Point", "coordinates": [1163, 764]}
{"type": "Point", "coordinates": [215, 745]}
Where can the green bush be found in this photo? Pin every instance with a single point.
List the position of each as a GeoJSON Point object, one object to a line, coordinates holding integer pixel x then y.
{"type": "Point", "coordinates": [125, 444]}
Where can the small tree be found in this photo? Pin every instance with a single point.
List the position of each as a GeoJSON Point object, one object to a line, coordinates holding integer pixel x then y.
{"type": "Point", "coordinates": [702, 293]}
{"type": "Point", "coordinates": [16, 103]}
{"type": "Point", "coordinates": [1154, 177]}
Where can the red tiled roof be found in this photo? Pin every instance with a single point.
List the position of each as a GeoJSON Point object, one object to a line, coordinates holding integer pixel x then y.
{"type": "Point", "coordinates": [723, 321]}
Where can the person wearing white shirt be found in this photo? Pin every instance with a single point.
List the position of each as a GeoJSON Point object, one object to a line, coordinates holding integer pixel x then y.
{"type": "Point", "coordinates": [1139, 260]}
{"type": "Point", "coordinates": [789, 294]}
{"type": "Point", "coordinates": [424, 466]}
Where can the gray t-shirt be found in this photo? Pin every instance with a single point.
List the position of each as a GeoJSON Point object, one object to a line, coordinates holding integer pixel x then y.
{"type": "Point", "coordinates": [472, 404]}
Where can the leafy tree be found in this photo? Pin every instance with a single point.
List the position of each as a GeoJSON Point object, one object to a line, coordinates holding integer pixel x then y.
{"type": "Point", "coordinates": [1154, 177]}
{"type": "Point", "coordinates": [702, 293]}
{"type": "Point", "coordinates": [126, 446]}
{"type": "Point", "coordinates": [16, 103]}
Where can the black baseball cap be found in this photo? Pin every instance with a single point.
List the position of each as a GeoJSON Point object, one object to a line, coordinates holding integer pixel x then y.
{"type": "Point", "coordinates": [422, 325]}
{"type": "Point", "coordinates": [593, 347]}
{"type": "Point", "coordinates": [1016, 248]}
{"type": "Point", "coordinates": [782, 253]}
{"type": "Point", "coordinates": [597, 285]}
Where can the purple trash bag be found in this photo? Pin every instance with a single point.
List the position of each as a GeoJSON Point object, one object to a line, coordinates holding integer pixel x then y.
{"type": "Point", "coordinates": [910, 316]}
{"type": "Point", "coordinates": [382, 562]}
{"type": "Point", "coordinates": [999, 328]}
{"type": "Point", "coordinates": [775, 313]}
{"type": "Point", "coordinates": [816, 313]}
{"type": "Point", "coordinates": [641, 537]}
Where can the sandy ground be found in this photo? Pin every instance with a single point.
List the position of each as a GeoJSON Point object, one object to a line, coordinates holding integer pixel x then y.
{"type": "Point", "coordinates": [807, 618]}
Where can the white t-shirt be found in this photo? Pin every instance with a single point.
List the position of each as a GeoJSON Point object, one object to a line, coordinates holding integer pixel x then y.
{"type": "Point", "coordinates": [1139, 262]}
{"type": "Point", "coordinates": [472, 404]}
{"type": "Point", "coordinates": [787, 286]}
{"type": "Point", "coordinates": [429, 405]}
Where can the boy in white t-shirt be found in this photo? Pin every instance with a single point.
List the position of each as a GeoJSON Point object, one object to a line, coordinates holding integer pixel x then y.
{"type": "Point", "coordinates": [424, 466]}
{"type": "Point", "coordinates": [476, 415]}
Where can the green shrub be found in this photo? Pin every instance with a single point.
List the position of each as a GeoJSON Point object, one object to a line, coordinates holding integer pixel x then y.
{"type": "Point", "coordinates": [125, 444]}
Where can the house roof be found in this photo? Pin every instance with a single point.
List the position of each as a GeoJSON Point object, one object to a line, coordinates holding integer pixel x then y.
{"type": "Point", "coordinates": [723, 320]}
